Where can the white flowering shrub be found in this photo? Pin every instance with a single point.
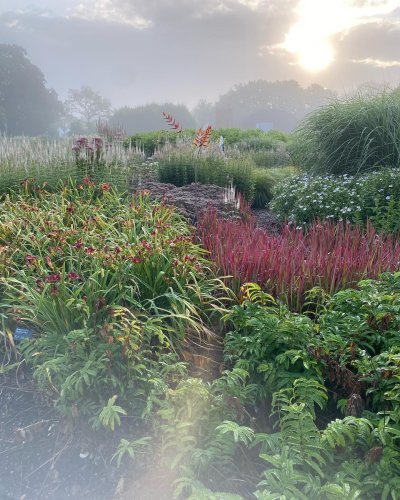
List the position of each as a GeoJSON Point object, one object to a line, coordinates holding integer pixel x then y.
{"type": "Point", "coordinates": [375, 197]}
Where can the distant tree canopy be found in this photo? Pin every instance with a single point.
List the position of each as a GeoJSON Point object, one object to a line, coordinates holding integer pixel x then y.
{"type": "Point", "coordinates": [282, 103]}
{"type": "Point", "coordinates": [149, 117]}
{"type": "Point", "coordinates": [87, 105]}
{"type": "Point", "coordinates": [27, 107]}
{"type": "Point", "coordinates": [204, 113]}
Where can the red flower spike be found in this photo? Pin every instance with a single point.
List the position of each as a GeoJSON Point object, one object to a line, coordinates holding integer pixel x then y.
{"type": "Point", "coordinates": [172, 122]}
{"type": "Point", "coordinates": [203, 137]}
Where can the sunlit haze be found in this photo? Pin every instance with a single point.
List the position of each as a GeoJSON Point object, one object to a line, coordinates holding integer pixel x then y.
{"type": "Point", "coordinates": [140, 51]}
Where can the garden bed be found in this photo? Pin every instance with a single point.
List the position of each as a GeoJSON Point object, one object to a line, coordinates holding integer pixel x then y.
{"type": "Point", "coordinates": [194, 198]}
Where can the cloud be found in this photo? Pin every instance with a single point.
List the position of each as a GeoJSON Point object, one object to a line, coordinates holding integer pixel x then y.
{"type": "Point", "coordinates": [108, 10]}
{"type": "Point", "coordinates": [138, 51]}
{"type": "Point", "coordinates": [310, 37]}
{"type": "Point", "coordinates": [377, 62]}
{"type": "Point", "coordinates": [191, 49]}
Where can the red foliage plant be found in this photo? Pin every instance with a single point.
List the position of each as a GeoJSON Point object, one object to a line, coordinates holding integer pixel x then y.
{"type": "Point", "coordinates": [287, 265]}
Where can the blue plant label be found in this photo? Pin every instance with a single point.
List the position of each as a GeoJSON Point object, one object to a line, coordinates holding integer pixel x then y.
{"type": "Point", "coordinates": [22, 334]}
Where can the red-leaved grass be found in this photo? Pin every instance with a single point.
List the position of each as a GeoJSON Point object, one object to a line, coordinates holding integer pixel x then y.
{"type": "Point", "coordinates": [287, 265]}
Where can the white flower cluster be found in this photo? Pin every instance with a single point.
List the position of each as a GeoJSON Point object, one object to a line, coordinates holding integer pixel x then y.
{"type": "Point", "coordinates": [303, 198]}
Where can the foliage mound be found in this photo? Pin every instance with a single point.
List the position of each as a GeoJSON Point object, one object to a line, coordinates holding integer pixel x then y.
{"type": "Point", "coordinates": [251, 140]}
{"type": "Point", "coordinates": [316, 399]}
{"type": "Point", "coordinates": [351, 135]}
{"type": "Point", "coordinates": [181, 168]}
{"type": "Point", "coordinates": [291, 263]}
{"type": "Point", "coordinates": [372, 197]}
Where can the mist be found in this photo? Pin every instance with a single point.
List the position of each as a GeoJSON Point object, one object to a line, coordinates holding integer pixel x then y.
{"type": "Point", "coordinates": [139, 52]}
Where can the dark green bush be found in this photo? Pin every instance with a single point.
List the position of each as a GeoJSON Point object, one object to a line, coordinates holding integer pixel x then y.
{"type": "Point", "coordinates": [263, 184]}
{"type": "Point", "coordinates": [351, 135]}
{"type": "Point", "coordinates": [149, 142]}
{"type": "Point", "coordinates": [184, 168]}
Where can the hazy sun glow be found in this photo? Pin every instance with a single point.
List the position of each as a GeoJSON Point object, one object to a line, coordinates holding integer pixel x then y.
{"type": "Point", "coordinates": [310, 38]}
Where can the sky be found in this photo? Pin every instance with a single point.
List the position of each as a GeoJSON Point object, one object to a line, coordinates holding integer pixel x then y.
{"type": "Point", "coordinates": [140, 51]}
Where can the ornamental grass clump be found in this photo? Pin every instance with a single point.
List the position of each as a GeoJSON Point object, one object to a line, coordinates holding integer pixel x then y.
{"type": "Point", "coordinates": [52, 161]}
{"type": "Point", "coordinates": [327, 255]}
{"type": "Point", "coordinates": [351, 135]}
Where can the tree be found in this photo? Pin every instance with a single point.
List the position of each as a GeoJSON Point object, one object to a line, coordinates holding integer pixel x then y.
{"type": "Point", "coordinates": [149, 117]}
{"type": "Point", "coordinates": [204, 113]}
{"type": "Point", "coordinates": [282, 103]}
{"type": "Point", "coordinates": [87, 105]}
{"type": "Point", "coordinates": [27, 107]}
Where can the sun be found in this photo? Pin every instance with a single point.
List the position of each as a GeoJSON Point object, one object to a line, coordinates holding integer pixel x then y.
{"type": "Point", "coordinates": [316, 57]}
{"type": "Point", "coordinates": [312, 49]}
{"type": "Point", "coordinates": [309, 38]}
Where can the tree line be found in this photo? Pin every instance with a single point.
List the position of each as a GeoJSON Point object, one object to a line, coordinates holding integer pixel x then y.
{"type": "Point", "coordinates": [29, 107]}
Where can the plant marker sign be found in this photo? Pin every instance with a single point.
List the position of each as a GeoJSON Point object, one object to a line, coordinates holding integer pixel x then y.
{"type": "Point", "coordinates": [22, 334]}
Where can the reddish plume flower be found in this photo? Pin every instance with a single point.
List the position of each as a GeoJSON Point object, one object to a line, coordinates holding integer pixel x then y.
{"type": "Point", "coordinates": [105, 186]}
{"type": "Point", "coordinates": [190, 258]}
{"type": "Point", "coordinates": [53, 278]}
{"type": "Point", "coordinates": [78, 244]}
{"type": "Point", "coordinates": [136, 260]}
{"type": "Point", "coordinates": [145, 244]}
{"type": "Point", "coordinates": [74, 276]}
{"type": "Point", "coordinates": [82, 142]}
{"type": "Point", "coordinates": [89, 250]}
{"type": "Point", "coordinates": [54, 290]}
{"type": "Point", "coordinates": [88, 182]}
{"type": "Point", "coordinates": [30, 260]}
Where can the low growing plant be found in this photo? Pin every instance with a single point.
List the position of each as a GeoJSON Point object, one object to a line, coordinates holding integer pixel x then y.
{"type": "Point", "coordinates": [371, 197]}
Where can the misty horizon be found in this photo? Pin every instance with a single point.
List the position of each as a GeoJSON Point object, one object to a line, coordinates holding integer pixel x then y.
{"type": "Point", "coordinates": [139, 52]}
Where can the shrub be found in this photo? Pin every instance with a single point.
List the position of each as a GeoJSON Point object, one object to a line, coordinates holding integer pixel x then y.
{"type": "Point", "coordinates": [331, 256]}
{"type": "Point", "coordinates": [279, 156]}
{"type": "Point", "coordinates": [301, 373]}
{"type": "Point", "coordinates": [351, 135]}
{"type": "Point", "coordinates": [263, 185]}
{"type": "Point", "coordinates": [374, 197]}
{"type": "Point", "coordinates": [250, 140]}
{"type": "Point", "coordinates": [150, 142]}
